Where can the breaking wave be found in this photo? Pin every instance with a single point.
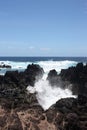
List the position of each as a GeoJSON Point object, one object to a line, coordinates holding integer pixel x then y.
{"type": "Point", "coordinates": [46, 94]}
{"type": "Point", "coordinates": [46, 65]}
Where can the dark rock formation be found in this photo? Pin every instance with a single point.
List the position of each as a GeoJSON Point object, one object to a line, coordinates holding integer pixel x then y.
{"type": "Point", "coordinates": [21, 111]}
{"type": "Point", "coordinates": [5, 66]}
{"type": "Point", "coordinates": [77, 76]}
{"type": "Point", "coordinates": [74, 112]}
{"type": "Point", "coordinates": [55, 80]}
{"type": "Point", "coordinates": [53, 77]}
{"type": "Point", "coordinates": [13, 85]}
{"type": "Point", "coordinates": [66, 105]}
{"type": "Point", "coordinates": [33, 73]}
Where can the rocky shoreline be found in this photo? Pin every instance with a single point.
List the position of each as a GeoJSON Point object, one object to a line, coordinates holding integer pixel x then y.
{"type": "Point", "coordinates": [20, 110]}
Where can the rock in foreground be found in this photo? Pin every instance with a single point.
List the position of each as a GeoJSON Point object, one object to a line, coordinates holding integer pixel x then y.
{"type": "Point", "coordinates": [21, 111]}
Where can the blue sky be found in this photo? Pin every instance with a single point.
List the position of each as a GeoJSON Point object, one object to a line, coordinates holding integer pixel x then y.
{"type": "Point", "coordinates": [43, 27]}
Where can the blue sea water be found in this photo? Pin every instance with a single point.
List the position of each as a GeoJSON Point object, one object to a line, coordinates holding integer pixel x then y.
{"type": "Point", "coordinates": [34, 59]}
{"type": "Point", "coordinates": [47, 63]}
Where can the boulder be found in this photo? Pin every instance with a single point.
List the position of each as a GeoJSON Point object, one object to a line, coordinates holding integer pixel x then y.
{"type": "Point", "coordinates": [5, 66]}
{"type": "Point", "coordinates": [66, 105]}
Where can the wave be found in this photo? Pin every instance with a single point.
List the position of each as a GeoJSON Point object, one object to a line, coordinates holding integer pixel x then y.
{"type": "Point", "coordinates": [16, 65]}
{"type": "Point", "coordinates": [46, 65]}
{"type": "Point", "coordinates": [57, 65]}
{"type": "Point", "coordinates": [48, 95]}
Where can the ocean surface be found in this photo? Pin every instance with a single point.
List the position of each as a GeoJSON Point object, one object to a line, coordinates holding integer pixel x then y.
{"type": "Point", "coordinates": [34, 59]}
{"type": "Point", "coordinates": [47, 95]}
{"type": "Point", "coordinates": [48, 63]}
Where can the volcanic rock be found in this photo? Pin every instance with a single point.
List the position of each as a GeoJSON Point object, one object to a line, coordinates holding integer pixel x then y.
{"type": "Point", "coordinates": [20, 110]}
{"type": "Point", "coordinates": [5, 66]}
{"type": "Point", "coordinates": [13, 85]}
{"type": "Point", "coordinates": [66, 105]}
{"type": "Point", "coordinates": [55, 80]}
{"type": "Point", "coordinates": [33, 73]}
{"type": "Point", "coordinates": [77, 76]}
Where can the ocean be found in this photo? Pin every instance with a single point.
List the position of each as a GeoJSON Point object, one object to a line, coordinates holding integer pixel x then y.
{"type": "Point", "coordinates": [47, 95]}
{"type": "Point", "coordinates": [48, 63]}
{"type": "Point", "coordinates": [34, 59]}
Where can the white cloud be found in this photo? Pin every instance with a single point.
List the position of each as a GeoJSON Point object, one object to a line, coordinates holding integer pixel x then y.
{"type": "Point", "coordinates": [45, 49]}
{"type": "Point", "coordinates": [31, 47]}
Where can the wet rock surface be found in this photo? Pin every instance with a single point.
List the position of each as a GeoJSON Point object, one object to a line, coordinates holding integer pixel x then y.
{"type": "Point", "coordinates": [4, 66]}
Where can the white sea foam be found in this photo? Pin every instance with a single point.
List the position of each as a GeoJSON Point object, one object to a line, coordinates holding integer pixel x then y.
{"type": "Point", "coordinates": [46, 65]}
{"type": "Point", "coordinates": [16, 65]}
{"type": "Point", "coordinates": [57, 65]}
{"type": "Point", "coordinates": [48, 95]}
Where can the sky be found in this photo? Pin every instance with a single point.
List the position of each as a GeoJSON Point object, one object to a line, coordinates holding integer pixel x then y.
{"type": "Point", "coordinates": [43, 27]}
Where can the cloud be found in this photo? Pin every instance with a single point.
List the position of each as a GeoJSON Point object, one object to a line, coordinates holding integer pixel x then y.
{"type": "Point", "coordinates": [31, 47]}
{"type": "Point", "coordinates": [45, 49]}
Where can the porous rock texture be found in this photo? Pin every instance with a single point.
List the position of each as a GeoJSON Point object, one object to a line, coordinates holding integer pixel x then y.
{"type": "Point", "coordinates": [21, 111]}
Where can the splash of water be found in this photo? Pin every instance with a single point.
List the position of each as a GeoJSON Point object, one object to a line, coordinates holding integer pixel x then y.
{"type": "Point", "coordinates": [48, 95]}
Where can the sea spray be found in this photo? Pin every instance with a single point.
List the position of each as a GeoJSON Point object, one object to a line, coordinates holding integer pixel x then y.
{"type": "Point", "coordinates": [48, 95]}
{"type": "Point", "coordinates": [57, 65]}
